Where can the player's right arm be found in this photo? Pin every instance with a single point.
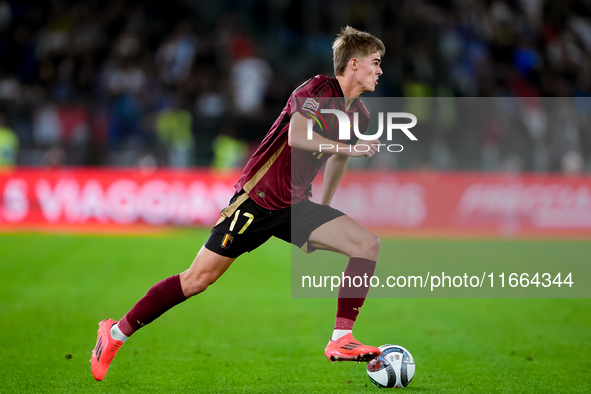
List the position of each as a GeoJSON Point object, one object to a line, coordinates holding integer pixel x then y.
{"type": "Point", "coordinates": [298, 138]}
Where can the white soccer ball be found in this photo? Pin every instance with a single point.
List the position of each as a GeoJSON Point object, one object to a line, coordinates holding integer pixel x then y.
{"type": "Point", "coordinates": [395, 367]}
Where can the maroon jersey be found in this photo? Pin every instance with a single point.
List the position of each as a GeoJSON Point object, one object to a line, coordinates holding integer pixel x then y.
{"type": "Point", "coordinates": [277, 175]}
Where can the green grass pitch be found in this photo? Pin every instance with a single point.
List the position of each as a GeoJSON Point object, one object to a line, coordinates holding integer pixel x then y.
{"type": "Point", "coordinates": [247, 335]}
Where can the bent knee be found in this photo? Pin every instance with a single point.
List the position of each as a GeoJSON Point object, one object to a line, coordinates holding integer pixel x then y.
{"type": "Point", "coordinates": [374, 244]}
{"type": "Point", "coordinates": [377, 243]}
{"type": "Point", "coordinates": [369, 246]}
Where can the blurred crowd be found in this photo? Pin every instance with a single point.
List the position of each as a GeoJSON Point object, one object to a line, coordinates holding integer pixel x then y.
{"type": "Point", "coordinates": [198, 83]}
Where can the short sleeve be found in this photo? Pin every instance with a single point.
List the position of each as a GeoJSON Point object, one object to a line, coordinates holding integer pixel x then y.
{"type": "Point", "coordinates": [312, 96]}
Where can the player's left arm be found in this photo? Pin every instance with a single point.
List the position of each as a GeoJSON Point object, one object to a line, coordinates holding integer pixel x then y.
{"type": "Point", "coordinates": [335, 168]}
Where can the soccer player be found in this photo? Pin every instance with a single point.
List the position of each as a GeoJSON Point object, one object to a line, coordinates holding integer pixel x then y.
{"type": "Point", "coordinates": [272, 200]}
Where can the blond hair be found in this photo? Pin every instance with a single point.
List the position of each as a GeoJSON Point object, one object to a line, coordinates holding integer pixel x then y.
{"type": "Point", "coordinates": [352, 43]}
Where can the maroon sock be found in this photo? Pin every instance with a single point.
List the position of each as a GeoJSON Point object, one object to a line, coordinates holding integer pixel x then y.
{"type": "Point", "coordinates": [160, 298]}
{"type": "Point", "coordinates": [351, 298]}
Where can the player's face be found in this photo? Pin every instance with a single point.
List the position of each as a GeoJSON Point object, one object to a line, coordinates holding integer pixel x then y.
{"type": "Point", "coordinates": [368, 71]}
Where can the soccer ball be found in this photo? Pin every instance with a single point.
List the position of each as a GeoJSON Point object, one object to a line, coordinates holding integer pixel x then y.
{"type": "Point", "coordinates": [395, 367]}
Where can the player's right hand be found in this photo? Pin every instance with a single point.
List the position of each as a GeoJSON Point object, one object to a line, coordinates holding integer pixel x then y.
{"type": "Point", "coordinates": [365, 148]}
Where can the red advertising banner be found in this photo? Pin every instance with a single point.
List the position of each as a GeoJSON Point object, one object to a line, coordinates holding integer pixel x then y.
{"type": "Point", "coordinates": [97, 197]}
{"type": "Point", "coordinates": [468, 203]}
{"type": "Point", "coordinates": [402, 203]}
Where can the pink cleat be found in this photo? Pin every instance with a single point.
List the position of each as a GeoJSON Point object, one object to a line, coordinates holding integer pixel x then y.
{"type": "Point", "coordinates": [346, 348]}
{"type": "Point", "coordinates": [105, 349]}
